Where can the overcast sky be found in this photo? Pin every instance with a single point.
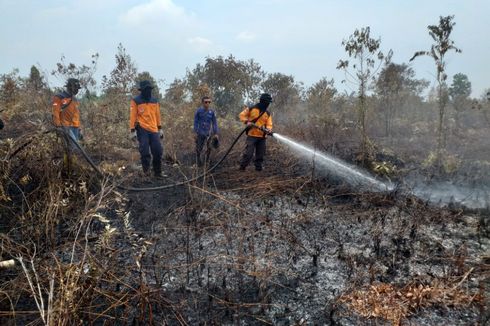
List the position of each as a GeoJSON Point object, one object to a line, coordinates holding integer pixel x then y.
{"type": "Point", "coordinates": [295, 37]}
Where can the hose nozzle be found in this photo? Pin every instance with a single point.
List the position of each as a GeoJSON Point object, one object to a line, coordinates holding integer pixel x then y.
{"type": "Point", "coordinates": [266, 131]}
{"type": "Point", "coordinates": [263, 129]}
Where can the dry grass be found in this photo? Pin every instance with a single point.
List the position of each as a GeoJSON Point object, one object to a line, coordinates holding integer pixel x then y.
{"type": "Point", "coordinates": [82, 260]}
{"type": "Point", "coordinates": [56, 229]}
{"type": "Point", "coordinates": [396, 303]}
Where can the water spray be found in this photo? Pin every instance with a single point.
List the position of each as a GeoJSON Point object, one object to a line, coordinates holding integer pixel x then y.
{"type": "Point", "coordinates": [441, 193]}
{"type": "Point", "coordinates": [349, 173]}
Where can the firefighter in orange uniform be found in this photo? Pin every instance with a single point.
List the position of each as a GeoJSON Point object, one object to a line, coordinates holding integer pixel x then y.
{"type": "Point", "coordinates": [66, 115]}
{"type": "Point", "coordinates": [259, 121]}
{"type": "Point", "coordinates": [65, 109]}
{"type": "Point", "coordinates": [145, 125]}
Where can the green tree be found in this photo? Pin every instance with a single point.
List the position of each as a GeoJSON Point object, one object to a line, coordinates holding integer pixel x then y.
{"type": "Point", "coordinates": [285, 91]}
{"type": "Point", "coordinates": [84, 73]}
{"type": "Point", "coordinates": [122, 77]}
{"type": "Point", "coordinates": [395, 84]}
{"type": "Point", "coordinates": [459, 93]}
{"type": "Point", "coordinates": [35, 81]}
{"type": "Point", "coordinates": [230, 81]}
{"type": "Point", "coordinates": [442, 45]}
{"type": "Point", "coordinates": [176, 93]}
{"type": "Point", "coordinates": [367, 59]}
{"type": "Point", "coordinates": [36, 95]}
{"type": "Point", "coordinates": [10, 85]}
{"type": "Point", "coordinates": [320, 95]}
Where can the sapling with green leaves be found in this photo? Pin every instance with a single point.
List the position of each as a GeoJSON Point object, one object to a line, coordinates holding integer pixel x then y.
{"type": "Point", "coordinates": [367, 59]}
{"type": "Point", "coordinates": [438, 51]}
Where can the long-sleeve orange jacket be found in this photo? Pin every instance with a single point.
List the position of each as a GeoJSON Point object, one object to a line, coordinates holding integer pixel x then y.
{"type": "Point", "coordinates": [250, 114]}
{"type": "Point", "coordinates": [65, 110]}
{"type": "Point", "coordinates": [145, 114]}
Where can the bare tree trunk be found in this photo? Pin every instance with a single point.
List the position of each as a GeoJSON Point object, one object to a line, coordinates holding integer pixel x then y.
{"type": "Point", "coordinates": [362, 119]}
{"type": "Point", "coordinates": [440, 129]}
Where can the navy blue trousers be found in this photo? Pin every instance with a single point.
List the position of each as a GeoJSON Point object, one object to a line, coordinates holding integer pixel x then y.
{"type": "Point", "coordinates": [150, 142]}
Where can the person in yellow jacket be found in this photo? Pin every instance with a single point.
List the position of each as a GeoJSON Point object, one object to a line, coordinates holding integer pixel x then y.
{"type": "Point", "coordinates": [66, 115]}
{"type": "Point", "coordinates": [146, 126]}
{"type": "Point", "coordinates": [256, 118]}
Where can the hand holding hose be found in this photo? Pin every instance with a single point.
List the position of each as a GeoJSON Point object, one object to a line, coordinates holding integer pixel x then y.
{"type": "Point", "coordinates": [268, 131]}
{"type": "Point", "coordinates": [265, 130]}
{"type": "Point", "coordinates": [249, 125]}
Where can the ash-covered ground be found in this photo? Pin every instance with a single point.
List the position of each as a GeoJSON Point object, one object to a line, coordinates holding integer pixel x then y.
{"type": "Point", "coordinates": [285, 247]}
{"type": "Point", "coordinates": [290, 245]}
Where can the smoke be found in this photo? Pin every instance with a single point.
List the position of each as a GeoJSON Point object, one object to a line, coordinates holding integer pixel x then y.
{"type": "Point", "coordinates": [445, 193]}
{"type": "Point", "coordinates": [440, 193]}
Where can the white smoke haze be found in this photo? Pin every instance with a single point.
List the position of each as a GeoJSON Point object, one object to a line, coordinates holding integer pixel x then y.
{"type": "Point", "coordinates": [444, 193]}
{"type": "Point", "coordinates": [438, 193]}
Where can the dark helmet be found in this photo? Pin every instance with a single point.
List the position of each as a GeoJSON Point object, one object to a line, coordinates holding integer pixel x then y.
{"type": "Point", "coordinates": [73, 83]}
{"type": "Point", "coordinates": [145, 84]}
{"type": "Point", "coordinates": [265, 98]}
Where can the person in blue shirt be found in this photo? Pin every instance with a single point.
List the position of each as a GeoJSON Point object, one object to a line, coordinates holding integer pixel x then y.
{"type": "Point", "coordinates": [206, 129]}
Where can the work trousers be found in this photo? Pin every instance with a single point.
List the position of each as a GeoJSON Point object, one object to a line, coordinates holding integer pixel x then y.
{"type": "Point", "coordinates": [74, 132]}
{"type": "Point", "coordinates": [201, 141]}
{"type": "Point", "coordinates": [150, 142]}
{"type": "Point", "coordinates": [257, 145]}
{"type": "Point", "coordinates": [71, 149]}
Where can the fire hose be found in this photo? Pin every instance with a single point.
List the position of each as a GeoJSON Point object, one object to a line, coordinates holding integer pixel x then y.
{"type": "Point", "coordinates": [212, 168]}
{"type": "Point", "coordinates": [102, 175]}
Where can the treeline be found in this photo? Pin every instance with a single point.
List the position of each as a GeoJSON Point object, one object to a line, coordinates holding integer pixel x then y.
{"type": "Point", "coordinates": [388, 100]}
{"type": "Point", "coordinates": [232, 83]}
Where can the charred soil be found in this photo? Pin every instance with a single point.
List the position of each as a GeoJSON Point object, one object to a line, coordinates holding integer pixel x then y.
{"type": "Point", "coordinates": [283, 246]}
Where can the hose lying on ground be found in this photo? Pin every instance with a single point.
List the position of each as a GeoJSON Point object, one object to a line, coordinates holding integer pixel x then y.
{"type": "Point", "coordinates": [101, 174]}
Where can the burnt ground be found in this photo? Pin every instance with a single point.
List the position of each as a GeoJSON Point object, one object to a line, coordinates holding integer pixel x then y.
{"type": "Point", "coordinates": [285, 246]}
{"type": "Point", "coordinates": [289, 246]}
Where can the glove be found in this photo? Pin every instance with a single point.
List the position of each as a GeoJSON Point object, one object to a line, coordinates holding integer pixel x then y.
{"type": "Point", "coordinates": [160, 133]}
{"type": "Point", "coordinates": [132, 135]}
{"type": "Point", "coordinates": [266, 131]}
